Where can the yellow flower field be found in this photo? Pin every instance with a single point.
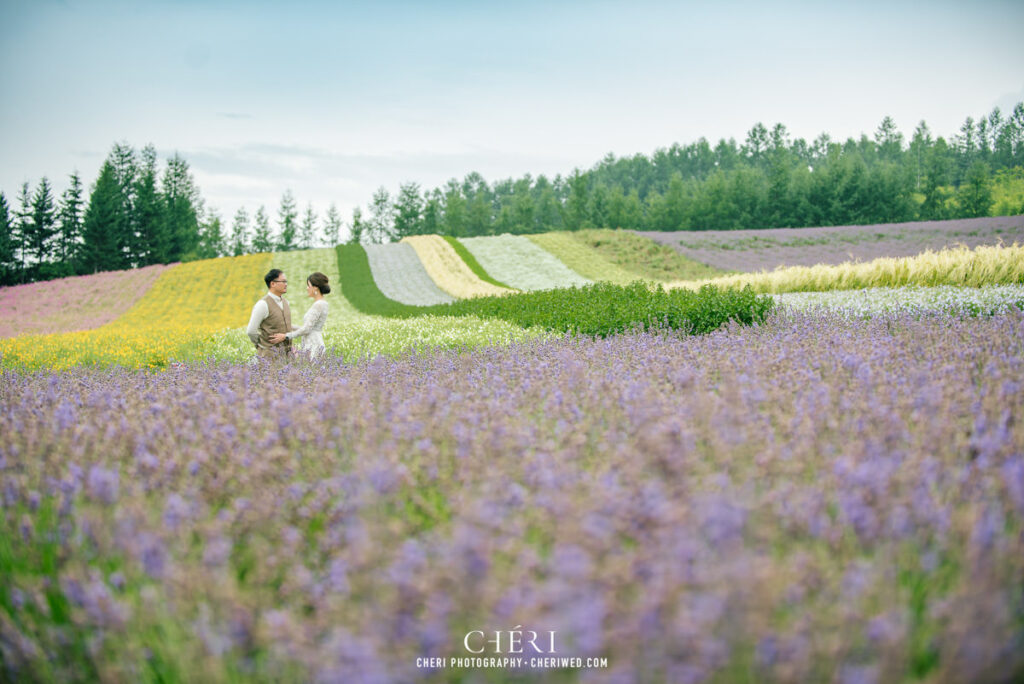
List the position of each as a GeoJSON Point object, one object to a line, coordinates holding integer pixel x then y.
{"type": "Point", "coordinates": [955, 266]}
{"type": "Point", "coordinates": [186, 305]}
{"type": "Point", "coordinates": [448, 270]}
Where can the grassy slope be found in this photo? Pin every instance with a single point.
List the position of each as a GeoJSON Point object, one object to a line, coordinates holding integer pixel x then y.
{"type": "Point", "coordinates": [583, 258]}
{"type": "Point", "coordinates": [642, 256]}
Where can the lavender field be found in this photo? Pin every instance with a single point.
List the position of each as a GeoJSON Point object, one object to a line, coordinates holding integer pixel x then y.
{"type": "Point", "coordinates": [812, 499]}
{"type": "Point", "coordinates": [769, 248]}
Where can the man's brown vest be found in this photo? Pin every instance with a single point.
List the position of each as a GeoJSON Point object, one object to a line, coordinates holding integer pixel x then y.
{"type": "Point", "coordinates": [278, 320]}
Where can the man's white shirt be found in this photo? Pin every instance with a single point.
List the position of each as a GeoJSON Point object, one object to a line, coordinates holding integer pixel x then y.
{"type": "Point", "coordinates": [259, 314]}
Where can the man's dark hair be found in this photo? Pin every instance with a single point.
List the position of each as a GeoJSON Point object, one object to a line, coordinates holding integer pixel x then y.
{"type": "Point", "coordinates": [272, 275]}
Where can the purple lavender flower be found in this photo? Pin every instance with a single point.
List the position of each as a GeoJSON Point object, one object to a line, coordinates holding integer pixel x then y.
{"type": "Point", "coordinates": [102, 484]}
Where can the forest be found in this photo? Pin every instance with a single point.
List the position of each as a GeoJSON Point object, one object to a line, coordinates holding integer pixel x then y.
{"type": "Point", "coordinates": [136, 214]}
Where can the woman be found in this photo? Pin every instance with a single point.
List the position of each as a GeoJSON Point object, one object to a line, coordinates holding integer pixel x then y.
{"type": "Point", "coordinates": [313, 321]}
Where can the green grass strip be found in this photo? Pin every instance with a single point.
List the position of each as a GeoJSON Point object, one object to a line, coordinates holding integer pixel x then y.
{"type": "Point", "coordinates": [359, 288]}
{"type": "Point", "coordinates": [473, 264]}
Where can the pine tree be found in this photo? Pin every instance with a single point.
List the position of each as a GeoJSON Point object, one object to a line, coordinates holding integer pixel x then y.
{"type": "Point", "coordinates": [103, 235]}
{"type": "Point", "coordinates": [240, 233]}
{"type": "Point", "coordinates": [332, 226]}
{"type": "Point", "coordinates": [182, 208]}
{"type": "Point", "coordinates": [975, 194]}
{"type": "Point", "coordinates": [454, 210]}
{"type": "Point", "coordinates": [261, 239]}
{"type": "Point", "coordinates": [21, 230]}
{"type": "Point", "coordinates": [358, 227]}
{"type": "Point", "coordinates": [125, 163]}
{"type": "Point", "coordinates": [307, 230]}
{"type": "Point", "coordinates": [287, 222]}
{"type": "Point", "coordinates": [432, 214]}
{"type": "Point", "coordinates": [7, 261]}
{"type": "Point", "coordinates": [576, 208]}
{"type": "Point", "coordinates": [152, 242]}
{"type": "Point", "coordinates": [212, 243]}
{"type": "Point", "coordinates": [69, 226]}
{"type": "Point", "coordinates": [42, 228]}
{"type": "Point", "coordinates": [889, 140]}
{"type": "Point", "coordinates": [382, 218]}
{"type": "Point", "coordinates": [936, 177]}
{"type": "Point", "coordinates": [408, 211]}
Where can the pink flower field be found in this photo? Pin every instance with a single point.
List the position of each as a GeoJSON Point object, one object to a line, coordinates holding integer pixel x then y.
{"type": "Point", "coordinates": [75, 303]}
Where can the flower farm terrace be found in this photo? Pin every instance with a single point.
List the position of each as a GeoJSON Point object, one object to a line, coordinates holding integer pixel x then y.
{"type": "Point", "coordinates": [820, 486]}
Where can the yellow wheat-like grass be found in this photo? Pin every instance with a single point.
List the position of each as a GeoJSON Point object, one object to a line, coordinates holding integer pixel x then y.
{"type": "Point", "coordinates": [961, 266]}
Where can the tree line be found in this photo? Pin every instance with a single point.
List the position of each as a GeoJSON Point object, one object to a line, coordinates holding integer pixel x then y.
{"type": "Point", "coordinates": [768, 181]}
{"type": "Point", "coordinates": [135, 215]}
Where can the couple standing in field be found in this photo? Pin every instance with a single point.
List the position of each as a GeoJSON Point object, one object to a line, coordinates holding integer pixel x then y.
{"type": "Point", "coordinates": [270, 325]}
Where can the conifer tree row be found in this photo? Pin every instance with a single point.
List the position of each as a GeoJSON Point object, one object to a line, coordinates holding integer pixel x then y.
{"type": "Point", "coordinates": [135, 215]}
{"type": "Point", "coordinates": [768, 181]}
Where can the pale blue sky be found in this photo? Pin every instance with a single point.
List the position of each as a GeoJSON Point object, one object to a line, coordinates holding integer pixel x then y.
{"type": "Point", "coordinates": [334, 99]}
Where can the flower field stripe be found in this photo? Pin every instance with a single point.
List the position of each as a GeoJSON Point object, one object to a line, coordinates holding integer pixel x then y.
{"type": "Point", "coordinates": [599, 309]}
{"type": "Point", "coordinates": [514, 260]}
{"type": "Point", "coordinates": [400, 276]}
{"type": "Point", "coordinates": [176, 317]}
{"type": "Point", "coordinates": [74, 303]}
{"type": "Point", "coordinates": [960, 266]}
{"type": "Point", "coordinates": [988, 300]}
{"type": "Point", "coordinates": [582, 259]}
{"type": "Point", "coordinates": [473, 264]}
{"type": "Point", "coordinates": [448, 270]}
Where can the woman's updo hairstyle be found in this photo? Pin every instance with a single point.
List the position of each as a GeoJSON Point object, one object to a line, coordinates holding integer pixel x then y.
{"type": "Point", "coordinates": [319, 281]}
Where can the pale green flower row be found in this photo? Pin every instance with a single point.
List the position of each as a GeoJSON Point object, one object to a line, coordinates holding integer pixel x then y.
{"type": "Point", "coordinates": [361, 337]}
{"type": "Point", "coordinates": [521, 264]}
{"type": "Point", "coordinates": [992, 299]}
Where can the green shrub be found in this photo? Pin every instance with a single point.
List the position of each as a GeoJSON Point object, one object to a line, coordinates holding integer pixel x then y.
{"type": "Point", "coordinates": [604, 309]}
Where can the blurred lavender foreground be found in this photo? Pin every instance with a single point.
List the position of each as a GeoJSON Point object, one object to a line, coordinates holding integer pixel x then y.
{"type": "Point", "coordinates": [813, 499]}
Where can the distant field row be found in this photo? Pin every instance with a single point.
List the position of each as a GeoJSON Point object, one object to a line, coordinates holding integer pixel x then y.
{"type": "Point", "coordinates": [428, 292]}
{"type": "Point", "coordinates": [754, 250]}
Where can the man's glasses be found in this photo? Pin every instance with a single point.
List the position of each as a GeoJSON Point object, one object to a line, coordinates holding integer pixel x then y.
{"type": "Point", "coordinates": [280, 281]}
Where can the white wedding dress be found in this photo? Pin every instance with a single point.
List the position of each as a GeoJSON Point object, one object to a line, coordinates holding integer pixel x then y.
{"type": "Point", "coordinates": [312, 328]}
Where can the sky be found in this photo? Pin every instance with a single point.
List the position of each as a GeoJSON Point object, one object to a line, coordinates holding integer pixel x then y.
{"type": "Point", "coordinates": [332, 100]}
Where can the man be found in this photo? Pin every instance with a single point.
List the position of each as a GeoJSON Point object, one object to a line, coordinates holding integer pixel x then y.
{"type": "Point", "coordinates": [270, 316]}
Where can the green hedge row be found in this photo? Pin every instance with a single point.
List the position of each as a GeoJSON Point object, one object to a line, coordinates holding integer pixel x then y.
{"type": "Point", "coordinates": [604, 309]}
{"type": "Point", "coordinates": [599, 309]}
